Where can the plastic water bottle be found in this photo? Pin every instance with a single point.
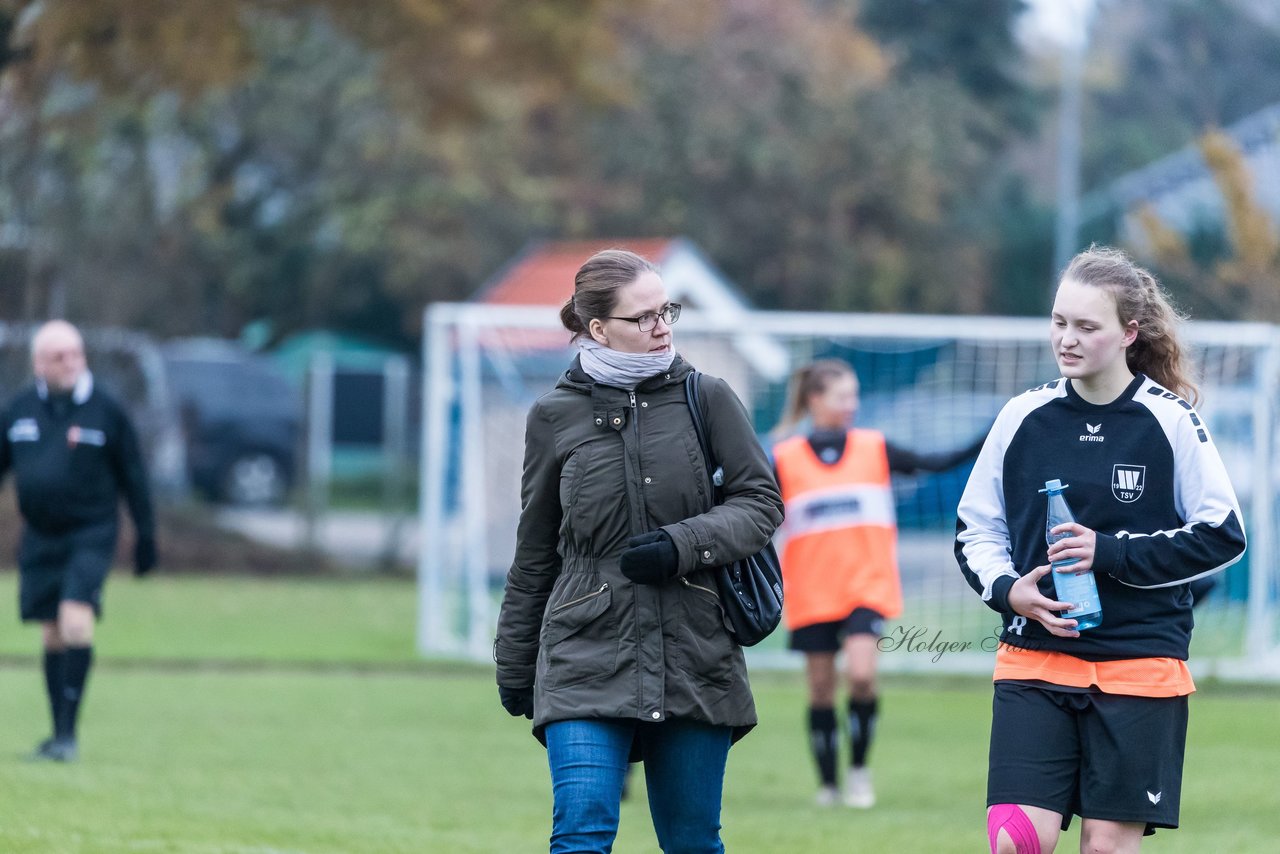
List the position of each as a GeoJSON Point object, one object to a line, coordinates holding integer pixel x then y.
{"type": "Point", "coordinates": [1078, 588]}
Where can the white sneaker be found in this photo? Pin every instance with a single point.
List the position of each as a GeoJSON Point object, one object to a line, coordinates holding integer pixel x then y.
{"type": "Point", "coordinates": [828, 796]}
{"type": "Point", "coordinates": [858, 792]}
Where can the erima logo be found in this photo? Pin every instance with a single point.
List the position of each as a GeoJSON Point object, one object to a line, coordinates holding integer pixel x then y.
{"type": "Point", "coordinates": [1092, 435]}
{"type": "Point", "coordinates": [1127, 482]}
{"type": "Point", "coordinates": [1154, 798]}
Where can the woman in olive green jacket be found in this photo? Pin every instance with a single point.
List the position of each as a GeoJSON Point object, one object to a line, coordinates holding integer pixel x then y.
{"type": "Point", "coordinates": [611, 637]}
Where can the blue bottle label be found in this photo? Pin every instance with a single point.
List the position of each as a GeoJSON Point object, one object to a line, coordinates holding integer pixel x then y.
{"type": "Point", "coordinates": [1077, 588]}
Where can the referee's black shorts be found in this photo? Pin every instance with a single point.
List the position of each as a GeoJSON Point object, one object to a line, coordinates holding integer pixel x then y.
{"type": "Point", "coordinates": [71, 566]}
{"type": "Point", "coordinates": [1106, 756]}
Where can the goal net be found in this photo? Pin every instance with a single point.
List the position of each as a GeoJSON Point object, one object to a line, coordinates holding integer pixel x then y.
{"type": "Point", "coordinates": [931, 384]}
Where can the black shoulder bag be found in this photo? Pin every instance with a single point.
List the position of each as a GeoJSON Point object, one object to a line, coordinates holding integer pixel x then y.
{"type": "Point", "coordinates": [751, 587]}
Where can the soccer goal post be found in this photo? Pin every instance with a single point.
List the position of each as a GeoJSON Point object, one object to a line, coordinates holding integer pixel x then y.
{"type": "Point", "coordinates": [930, 383]}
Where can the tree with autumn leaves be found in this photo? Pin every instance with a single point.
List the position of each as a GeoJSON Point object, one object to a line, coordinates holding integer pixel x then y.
{"type": "Point", "coordinates": [188, 167]}
{"type": "Point", "coordinates": [1241, 280]}
{"type": "Point", "coordinates": [184, 165]}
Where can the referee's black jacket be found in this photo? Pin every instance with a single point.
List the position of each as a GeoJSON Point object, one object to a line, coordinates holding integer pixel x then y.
{"type": "Point", "coordinates": [72, 457]}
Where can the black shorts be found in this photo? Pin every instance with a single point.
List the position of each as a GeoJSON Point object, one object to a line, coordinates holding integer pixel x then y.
{"type": "Point", "coordinates": [1105, 756]}
{"type": "Point", "coordinates": [828, 637]}
{"type": "Point", "coordinates": [71, 566]}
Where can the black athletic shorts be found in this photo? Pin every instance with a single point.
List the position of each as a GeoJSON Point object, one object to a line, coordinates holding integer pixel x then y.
{"type": "Point", "coordinates": [828, 637]}
{"type": "Point", "coordinates": [1105, 756]}
{"type": "Point", "coordinates": [70, 566]}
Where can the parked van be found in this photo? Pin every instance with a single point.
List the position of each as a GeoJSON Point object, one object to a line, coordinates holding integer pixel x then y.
{"type": "Point", "coordinates": [242, 420]}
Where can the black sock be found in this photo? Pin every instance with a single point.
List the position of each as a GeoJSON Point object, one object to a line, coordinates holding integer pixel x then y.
{"type": "Point", "coordinates": [53, 665]}
{"type": "Point", "coordinates": [75, 673]}
{"type": "Point", "coordinates": [862, 728]}
{"type": "Point", "coordinates": [824, 743]}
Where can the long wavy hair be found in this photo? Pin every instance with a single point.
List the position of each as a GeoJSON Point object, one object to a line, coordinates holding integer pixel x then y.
{"type": "Point", "coordinates": [1158, 350]}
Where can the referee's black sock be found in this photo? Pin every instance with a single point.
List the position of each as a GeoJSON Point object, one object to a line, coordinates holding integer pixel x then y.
{"type": "Point", "coordinates": [75, 673]}
{"type": "Point", "coordinates": [824, 743]}
{"type": "Point", "coordinates": [862, 727]}
{"type": "Point", "coordinates": [53, 665]}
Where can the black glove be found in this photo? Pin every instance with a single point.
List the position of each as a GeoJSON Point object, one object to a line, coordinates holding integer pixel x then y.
{"type": "Point", "coordinates": [144, 555]}
{"type": "Point", "coordinates": [517, 701]}
{"type": "Point", "coordinates": [650, 558]}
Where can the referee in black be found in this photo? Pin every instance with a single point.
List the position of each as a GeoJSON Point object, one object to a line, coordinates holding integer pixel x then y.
{"type": "Point", "coordinates": [74, 453]}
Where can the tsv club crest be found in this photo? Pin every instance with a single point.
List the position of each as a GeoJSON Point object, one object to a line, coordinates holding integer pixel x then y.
{"type": "Point", "coordinates": [1127, 482]}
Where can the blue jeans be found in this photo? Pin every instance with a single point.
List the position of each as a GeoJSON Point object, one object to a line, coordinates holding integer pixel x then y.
{"type": "Point", "coordinates": [683, 770]}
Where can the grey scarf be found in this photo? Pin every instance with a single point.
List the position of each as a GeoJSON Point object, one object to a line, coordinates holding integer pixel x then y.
{"type": "Point", "coordinates": [615, 368]}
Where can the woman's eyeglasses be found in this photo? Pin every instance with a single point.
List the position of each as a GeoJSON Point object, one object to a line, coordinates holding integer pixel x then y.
{"type": "Point", "coordinates": [647, 321]}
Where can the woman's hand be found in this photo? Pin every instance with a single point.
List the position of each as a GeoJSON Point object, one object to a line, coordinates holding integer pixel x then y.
{"type": "Point", "coordinates": [1026, 599]}
{"type": "Point", "coordinates": [517, 701]}
{"type": "Point", "coordinates": [650, 558]}
{"type": "Point", "coordinates": [1081, 545]}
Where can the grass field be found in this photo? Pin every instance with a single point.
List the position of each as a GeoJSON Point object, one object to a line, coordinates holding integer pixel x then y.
{"type": "Point", "coordinates": [234, 716]}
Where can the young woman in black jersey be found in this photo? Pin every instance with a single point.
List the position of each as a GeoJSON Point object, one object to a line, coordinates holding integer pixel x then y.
{"type": "Point", "coordinates": [839, 558]}
{"type": "Point", "coordinates": [1093, 723]}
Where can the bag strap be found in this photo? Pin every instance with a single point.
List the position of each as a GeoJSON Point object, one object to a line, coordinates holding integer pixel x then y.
{"type": "Point", "coordinates": [714, 471]}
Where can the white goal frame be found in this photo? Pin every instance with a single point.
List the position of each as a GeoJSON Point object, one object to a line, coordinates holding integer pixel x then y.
{"type": "Point", "coordinates": [468, 366]}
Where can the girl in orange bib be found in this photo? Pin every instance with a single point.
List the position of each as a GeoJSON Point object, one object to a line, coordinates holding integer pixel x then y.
{"type": "Point", "coordinates": [839, 557]}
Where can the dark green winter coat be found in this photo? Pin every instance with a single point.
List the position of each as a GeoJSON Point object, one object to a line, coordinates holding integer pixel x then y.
{"type": "Point", "coordinates": [601, 465]}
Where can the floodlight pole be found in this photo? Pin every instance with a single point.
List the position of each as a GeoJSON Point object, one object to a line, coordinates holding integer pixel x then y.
{"type": "Point", "coordinates": [1066, 234]}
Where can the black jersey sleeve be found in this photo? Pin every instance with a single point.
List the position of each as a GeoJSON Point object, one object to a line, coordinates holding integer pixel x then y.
{"type": "Point", "coordinates": [6, 456]}
{"type": "Point", "coordinates": [983, 540]}
{"type": "Point", "coordinates": [904, 461]}
{"type": "Point", "coordinates": [1212, 535]}
{"type": "Point", "coordinates": [131, 472]}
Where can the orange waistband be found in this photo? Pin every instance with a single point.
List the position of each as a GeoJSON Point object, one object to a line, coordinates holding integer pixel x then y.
{"type": "Point", "coordinates": [1138, 677]}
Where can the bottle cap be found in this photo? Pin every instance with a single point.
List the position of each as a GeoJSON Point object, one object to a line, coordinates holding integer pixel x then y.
{"type": "Point", "coordinates": [1054, 485]}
